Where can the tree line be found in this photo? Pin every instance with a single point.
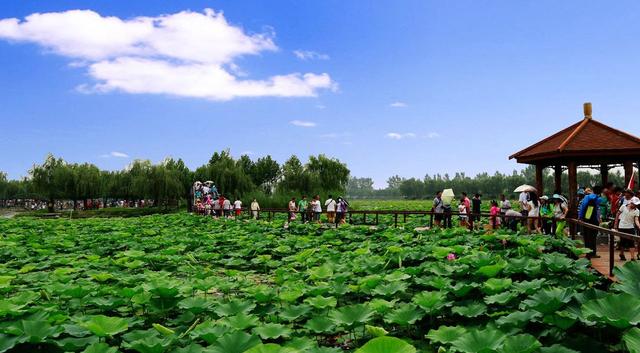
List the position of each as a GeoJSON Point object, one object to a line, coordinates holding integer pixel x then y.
{"type": "Point", "coordinates": [490, 186]}
{"type": "Point", "coordinates": [169, 182]}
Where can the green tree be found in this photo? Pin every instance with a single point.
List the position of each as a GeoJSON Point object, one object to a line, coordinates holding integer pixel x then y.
{"type": "Point", "coordinates": [50, 179]}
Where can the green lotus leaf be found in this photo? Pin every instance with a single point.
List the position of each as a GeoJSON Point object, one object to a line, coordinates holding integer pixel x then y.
{"type": "Point", "coordinates": [496, 285]}
{"type": "Point", "coordinates": [500, 298]}
{"type": "Point", "coordinates": [404, 314]}
{"type": "Point", "coordinates": [37, 331]}
{"type": "Point", "coordinates": [320, 324]}
{"type": "Point", "coordinates": [473, 309]}
{"type": "Point", "coordinates": [556, 348]}
{"type": "Point", "coordinates": [102, 326]}
{"type": "Point", "coordinates": [271, 348]}
{"type": "Point", "coordinates": [549, 300]}
{"type": "Point", "coordinates": [209, 331]}
{"type": "Point", "coordinates": [628, 277]}
{"type": "Point", "coordinates": [241, 321]}
{"type": "Point", "coordinates": [234, 307]}
{"type": "Point", "coordinates": [397, 276]}
{"type": "Point", "coordinates": [293, 312]}
{"type": "Point", "coordinates": [556, 262]}
{"type": "Point", "coordinates": [431, 302]}
{"type": "Point", "coordinates": [75, 343]}
{"type": "Point", "coordinates": [149, 344]}
{"type": "Point", "coordinates": [386, 344]}
{"type": "Point", "coordinates": [271, 330]}
{"type": "Point", "coordinates": [631, 340]}
{"type": "Point", "coordinates": [320, 302]}
{"type": "Point", "coordinates": [320, 272]}
{"type": "Point", "coordinates": [461, 289]}
{"type": "Point", "coordinates": [617, 310]}
{"type": "Point", "coordinates": [236, 342]}
{"type": "Point", "coordinates": [523, 343]}
{"type": "Point", "coordinates": [491, 271]}
{"type": "Point", "coordinates": [375, 331]}
{"type": "Point", "coordinates": [479, 341]}
{"type": "Point", "coordinates": [351, 314]}
{"type": "Point", "coordinates": [390, 288]}
{"type": "Point", "coordinates": [529, 287]}
{"type": "Point", "coordinates": [446, 334]}
{"type": "Point", "coordinates": [100, 347]}
{"type": "Point", "coordinates": [196, 305]}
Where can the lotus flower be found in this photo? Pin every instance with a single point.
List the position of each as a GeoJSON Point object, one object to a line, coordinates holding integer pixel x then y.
{"type": "Point", "coordinates": [451, 256]}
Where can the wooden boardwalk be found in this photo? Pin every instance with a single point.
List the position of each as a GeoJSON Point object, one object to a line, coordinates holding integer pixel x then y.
{"type": "Point", "coordinates": [601, 264]}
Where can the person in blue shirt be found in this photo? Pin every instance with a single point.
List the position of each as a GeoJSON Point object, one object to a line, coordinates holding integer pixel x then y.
{"type": "Point", "coordinates": [589, 212]}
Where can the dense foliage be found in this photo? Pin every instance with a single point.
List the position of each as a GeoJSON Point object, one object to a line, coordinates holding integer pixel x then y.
{"type": "Point", "coordinates": [170, 181]}
{"type": "Point", "coordinates": [491, 186]}
{"type": "Point", "coordinates": [182, 283]}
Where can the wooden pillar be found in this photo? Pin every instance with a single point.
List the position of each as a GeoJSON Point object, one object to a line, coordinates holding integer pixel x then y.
{"type": "Point", "coordinates": [604, 174]}
{"type": "Point", "coordinates": [540, 179]}
{"type": "Point", "coordinates": [573, 188]}
{"type": "Point", "coordinates": [558, 178]}
{"type": "Point", "coordinates": [628, 171]}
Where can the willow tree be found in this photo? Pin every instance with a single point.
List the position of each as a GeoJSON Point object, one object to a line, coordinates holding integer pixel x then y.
{"type": "Point", "coordinates": [50, 179]}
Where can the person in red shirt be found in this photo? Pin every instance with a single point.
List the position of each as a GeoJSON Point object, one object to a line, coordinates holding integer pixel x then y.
{"type": "Point", "coordinates": [615, 199]}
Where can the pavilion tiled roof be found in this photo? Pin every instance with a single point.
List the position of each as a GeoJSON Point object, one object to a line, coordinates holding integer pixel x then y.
{"type": "Point", "coordinates": [587, 137]}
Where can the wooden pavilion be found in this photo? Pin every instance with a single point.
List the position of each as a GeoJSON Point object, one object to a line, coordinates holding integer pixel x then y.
{"type": "Point", "coordinates": [587, 143]}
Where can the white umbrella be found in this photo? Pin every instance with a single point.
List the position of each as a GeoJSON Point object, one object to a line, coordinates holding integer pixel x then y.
{"type": "Point", "coordinates": [525, 188]}
{"type": "Point", "coordinates": [208, 182]}
{"type": "Point", "coordinates": [448, 195]}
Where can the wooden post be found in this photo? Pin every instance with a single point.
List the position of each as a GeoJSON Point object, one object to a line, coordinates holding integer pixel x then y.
{"type": "Point", "coordinates": [604, 174]}
{"type": "Point", "coordinates": [558, 178]}
{"type": "Point", "coordinates": [628, 171]}
{"type": "Point", "coordinates": [405, 218]}
{"type": "Point", "coordinates": [539, 179]}
{"type": "Point", "coordinates": [573, 193]}
{"type": "Point", "coordinates": [377, 218]}
{"type": "Point", "coordinates": [364, 218]}
{"type": "Point", "coordinates": [395, 219]}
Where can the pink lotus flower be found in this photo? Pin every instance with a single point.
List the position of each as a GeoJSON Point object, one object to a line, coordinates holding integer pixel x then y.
{"type": "Point", "coordinates": [451, 256]}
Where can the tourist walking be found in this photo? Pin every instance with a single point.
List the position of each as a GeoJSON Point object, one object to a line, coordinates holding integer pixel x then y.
{"type": "Point", "coordinates": [627, 222]}
{"type": "Point", "coordinates": [302, 208]}
{"type": "Point", "coordinates": [589, 212]}
{"type": "Point", "coordinates": [462, 213]}
{"type": "Point", "coordinates": [330, 204]}
{"type": "Point", "coordinates": [560, 210]}
{"type": "Point", "coordinates": [255, 208]}
{"type": "Point", "coordinates": [237, 206]}
{"type": "Point", "coordinates": [292, 208]}
{"type": "Point", "coordinates": [533, 212]}
{"type": "Point", "coordinates": [546, 215]}
{"type": "Point", "coordinates": [341, 210]}
{"type": "Point", "coordinates": [227, 207]}
{"type": "Point", "coordinates": [476, 205]}
{"type": "Point", "coordinates": [438, 209]}
{"type": "Point", "coordinates": [495, 213]}
{"type": "Point", "coordinates": [317, 208]}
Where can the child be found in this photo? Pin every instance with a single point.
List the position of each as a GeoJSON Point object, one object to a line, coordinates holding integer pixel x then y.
{"type": "Point", "coordinates": [462, 211]}
{"type": "Point", "coordinates": [495, 212]}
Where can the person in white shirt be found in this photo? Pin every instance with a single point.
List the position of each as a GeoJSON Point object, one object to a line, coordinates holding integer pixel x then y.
{"type": "Point", "coordinates": [627, 222]}
{"type": "Point", "coordinates": [226, 207]}
{"type": "Point", "coordinates": [237, 206]}
{"type": "Point", "coordinates": [330, 204]}
{"type": "Point", "coordinates": [255, 208]}
{"type": "Point", "coordinates": [317, 208]}
{"type": "Point", "coordinates": [293, 209]}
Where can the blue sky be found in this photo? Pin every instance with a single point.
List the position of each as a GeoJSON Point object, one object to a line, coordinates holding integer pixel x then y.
{"type": "Point", "coordinates": [472, 81]}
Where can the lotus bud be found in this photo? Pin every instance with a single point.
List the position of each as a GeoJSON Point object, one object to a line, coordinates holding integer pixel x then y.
{"type": "Point", "coordinates": [451, 256]}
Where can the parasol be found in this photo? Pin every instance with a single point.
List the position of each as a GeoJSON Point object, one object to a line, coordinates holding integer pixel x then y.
{"type": "Point", "coordinates": [525, 188]}
{"type": "Point", "coordinates": [448, 195]}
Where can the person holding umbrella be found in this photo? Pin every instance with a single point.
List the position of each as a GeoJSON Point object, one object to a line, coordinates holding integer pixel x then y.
{"type": "Point", "coordinates": [447, 197]}
{"type": "Point", "coordinates": [438, 209]}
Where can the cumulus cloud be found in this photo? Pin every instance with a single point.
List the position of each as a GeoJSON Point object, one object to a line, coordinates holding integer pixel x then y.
{"type": "Point", "coordinates": [310, 55]}
{"type": "Point", "coordinates": [398, 105]}
{"type": "Point", "coordinates": [188, 54]}
{"type": "Point", "coordinates": [115, 154]}
{"type": "Point", "coordinates": [400, 136]}
{"type": "Point", "coordinates": [302, 123]}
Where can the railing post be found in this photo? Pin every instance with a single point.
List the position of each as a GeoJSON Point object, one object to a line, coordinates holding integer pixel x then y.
{"type": "Point", "coordinates": [611, 254]}
{"type": "Point", "coordinates": [364, 218]}
{"type": "Point", "coordinates": [395, 216]}
{"type": "Point", "coordinates": [377, 218]}
{"type": "Point", "coordinates": [431, 220]}
{"type": "Point", "coordinates": [404, 218]}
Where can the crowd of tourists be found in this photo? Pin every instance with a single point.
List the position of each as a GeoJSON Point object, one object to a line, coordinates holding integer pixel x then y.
{"type": "Point", "coordinates": [311, 210]}
{"type": "Point", "coordinates": [609, 206]}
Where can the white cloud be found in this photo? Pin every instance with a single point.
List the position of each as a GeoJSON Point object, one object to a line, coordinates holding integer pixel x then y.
{"type": "Point", "coordinates": [310, 55]}
{"type": "Point", "coordinates": [335, 135]}
{"type": "Point", "coordinates": [115, 154]}
{"type": "Point", "coordinates": [400, 136]}
{"type": "Point", "coordinates": [303, 123]}
{"type": "Point", "coordinates": [433, 135]}
{"type": "Point", "coordinates": [188, 54]}
{"type": "Point", "coordinates": [398, 105]}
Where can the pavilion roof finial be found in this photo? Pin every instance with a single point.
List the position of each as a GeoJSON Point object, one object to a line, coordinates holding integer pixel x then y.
{"type": "Point", "coordinates": [587, 110]}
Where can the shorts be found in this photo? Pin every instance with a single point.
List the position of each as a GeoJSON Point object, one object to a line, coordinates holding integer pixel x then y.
{"type": "Point", "coordinates": [238, 212]}
{"type": "Point", "coordinates": [316, 216]}
{"type": "Point", "coordinates": [627, 243]}
{"type": "Point", "coordinates": [438, 217]}
{"type": "Point", "coordinates": [463, 218]}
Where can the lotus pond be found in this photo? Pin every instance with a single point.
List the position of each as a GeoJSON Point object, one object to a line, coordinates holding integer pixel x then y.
{"type": "Point", "coordinates": [183, 283]}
